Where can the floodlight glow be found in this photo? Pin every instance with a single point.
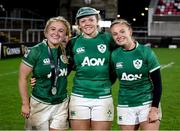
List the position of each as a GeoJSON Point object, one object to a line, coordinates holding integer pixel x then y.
{"type": "Point", "coordinates": [142, 14]}
{"type": "Point", "coordinates": [134, 19]}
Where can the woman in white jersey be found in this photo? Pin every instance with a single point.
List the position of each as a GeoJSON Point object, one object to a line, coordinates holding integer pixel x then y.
{"type": "Point", "coordinates": [138, 71]}
{"type": "Point", "coordinates": [91, 103]}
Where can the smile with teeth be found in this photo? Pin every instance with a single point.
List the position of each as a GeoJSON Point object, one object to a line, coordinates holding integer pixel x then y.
{"type": "Point", "coordinates": [88, 27]}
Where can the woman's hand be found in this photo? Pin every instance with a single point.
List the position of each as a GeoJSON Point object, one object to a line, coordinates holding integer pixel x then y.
{"type": "Point", "coordinates": [25, 110]}
{"type": "Point", "coordinates": [32, 81]}
{"type": "Point", "coordinates": [153, 114]}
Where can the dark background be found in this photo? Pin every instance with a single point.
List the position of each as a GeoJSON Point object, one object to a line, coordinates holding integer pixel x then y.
{"type": "Point", "coordinates": [127, 9]}
{"type": "Point", "coordinates": [130, 9]}
{"type": "Point", "coordinates": [45, 8]}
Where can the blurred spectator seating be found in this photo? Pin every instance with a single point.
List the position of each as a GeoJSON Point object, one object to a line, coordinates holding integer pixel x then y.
{"type": "Point", "coordinates": [168, 7]}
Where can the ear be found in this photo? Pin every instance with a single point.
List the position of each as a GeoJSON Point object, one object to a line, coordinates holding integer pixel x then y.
{"type": "Point", "coordinates": [131, 31]}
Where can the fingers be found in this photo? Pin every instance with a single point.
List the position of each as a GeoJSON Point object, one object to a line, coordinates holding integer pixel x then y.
{"type": "Point", "coordinates": [32, 81]}
{"type": "Point", "coordinates": [25, 115]}
{"type": "Point", "coordinates": [153, 121]}
{"type": "Point", "coordinates": [153, 115]}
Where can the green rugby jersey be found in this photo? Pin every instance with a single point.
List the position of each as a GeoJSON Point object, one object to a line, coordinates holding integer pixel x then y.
{"type": "Point", "coordinates": [37, 57]}
{"type": "Point", "coordinates": [132, 68]}
{"type": "Point", "coordinates": [91, 58]}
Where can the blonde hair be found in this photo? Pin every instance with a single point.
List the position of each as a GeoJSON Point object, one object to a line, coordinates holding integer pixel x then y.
{"type": "Point", "coordinates": [59, 19]}
{"type": "Point", "coordinates": [68, 32]}
{"type": "Point", "coordinates": [121, 21]}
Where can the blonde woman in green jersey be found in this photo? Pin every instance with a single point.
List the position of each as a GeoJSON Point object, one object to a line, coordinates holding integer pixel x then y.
{"type": "Point", "coordinates": [91, 104]}
{"type": "Point", "coordinates": [47, 108]}
{"type": "Point", "coordinates": [138, 71]}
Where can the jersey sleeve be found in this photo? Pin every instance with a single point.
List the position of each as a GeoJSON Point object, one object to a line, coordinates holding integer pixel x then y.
{"type": "Point", "coordinates": [153, 63]}
{"type": "Point", "coordinates": [112, 73]}
{"type": "Point", "coordinates": [69, 50]}
{"type": "Point", "coordinates": [113, 45]}
{"type": "Point", "coordinates": [31, 56]}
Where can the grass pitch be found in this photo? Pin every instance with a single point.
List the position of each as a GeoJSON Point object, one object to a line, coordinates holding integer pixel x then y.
{"type": "Point", "coordinates": [10, 104]}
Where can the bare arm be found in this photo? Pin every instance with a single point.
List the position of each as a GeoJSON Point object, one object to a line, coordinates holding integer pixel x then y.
{"type": "Point", "coordinates": [24, 72]}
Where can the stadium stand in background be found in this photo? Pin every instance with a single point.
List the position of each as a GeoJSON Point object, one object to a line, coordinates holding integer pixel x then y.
{"type": "Point", "coordinates": [164, 21]}
{"type": "Point", "coordinates": [168, 7]}
{"type": "Point", "coordinates": [163, 26]}
{"type": "Point", "coordinates": [15, 26]}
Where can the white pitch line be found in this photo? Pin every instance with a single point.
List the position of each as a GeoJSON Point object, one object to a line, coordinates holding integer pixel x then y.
{"type": "Point", "coordinates": [9, 73]}
{"type": "Point", "coordinates": [167, 65]}
{"type": "Point", "coordinates": [162, 67]}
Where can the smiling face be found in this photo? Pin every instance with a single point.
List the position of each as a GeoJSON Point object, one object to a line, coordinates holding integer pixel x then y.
{"type": "Point", "coordinates": [56, 33]}
{"type": "Point", "coordinates": [88, 25]}
{"type": "Point", "coordinates": [121, 33]}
